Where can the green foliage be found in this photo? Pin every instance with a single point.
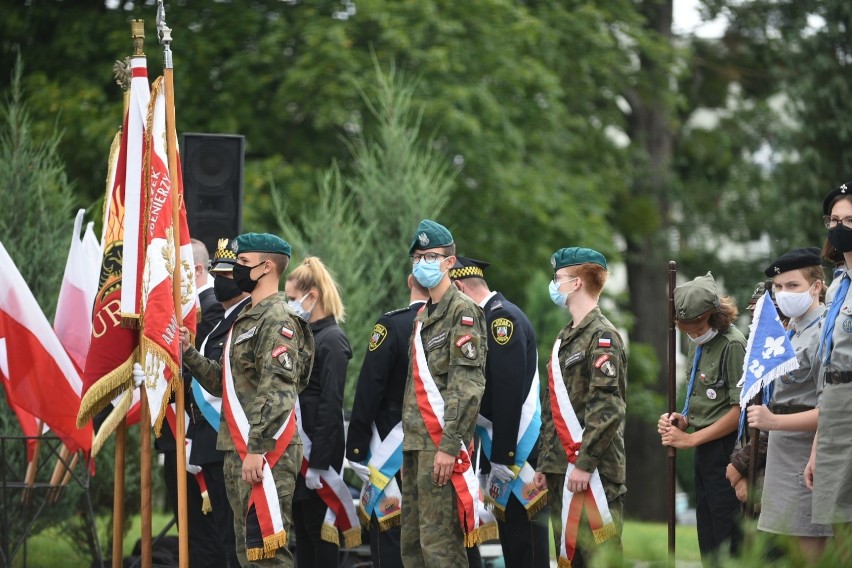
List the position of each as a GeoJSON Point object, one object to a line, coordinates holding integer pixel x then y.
{"type": "Point", "coordinates": [362, 223]}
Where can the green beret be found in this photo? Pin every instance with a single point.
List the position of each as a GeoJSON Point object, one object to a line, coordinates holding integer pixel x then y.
{"type": "Point", "coordinates": [429, 235]}
{"type": "Point", "coordinates": [572, 256]}
{"type": "Point", "coordinates": [261, 242]}
{"type": "Point", "coordinates": [696, 297]}
{"type": "Point", "coordinates": [796, 258]}
{"type": "Point", "coordinates": [468, 268]}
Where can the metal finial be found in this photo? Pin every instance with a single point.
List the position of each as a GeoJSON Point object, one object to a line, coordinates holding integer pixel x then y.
{"type": "Point", "coordinates": [137, 31]}
{"type": "Point", "coordinates": [164, 33]}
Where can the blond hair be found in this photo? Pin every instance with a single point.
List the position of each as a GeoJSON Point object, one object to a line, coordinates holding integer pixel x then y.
{"type": "Point", "coordinates": [312, 273]}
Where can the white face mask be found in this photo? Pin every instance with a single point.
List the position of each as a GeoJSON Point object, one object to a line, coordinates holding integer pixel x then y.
{"type": "Point", "coordinates": [794, 304]}
{"type": "Point", "coordinates": [705, 337]}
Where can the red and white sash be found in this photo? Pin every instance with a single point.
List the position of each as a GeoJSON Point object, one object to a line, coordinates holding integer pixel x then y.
{"type": "Point", "coordinates": [594, 500]}
{"type": "Point", "coordinates": [341, 514]}
{"type": "Point", "coordinates": [264, 495]}
{"type": "Point", "coordinates": [432, 409]}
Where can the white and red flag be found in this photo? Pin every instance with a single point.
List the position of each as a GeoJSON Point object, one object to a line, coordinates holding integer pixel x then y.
{"type": "Point", "coordinates": [42, 379]}
{"type": "Point", "coordinates": [160, 339]}
{"type": "Point", "coordinates": [30, 425]}
{"type": "Point", "coordinates": [73, 319]}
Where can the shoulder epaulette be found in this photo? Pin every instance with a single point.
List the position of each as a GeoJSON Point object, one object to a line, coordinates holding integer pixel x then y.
{"type": "Point", "coordinates": [498, 305]}
{"type": "Point", "coordinates": [398, 311]}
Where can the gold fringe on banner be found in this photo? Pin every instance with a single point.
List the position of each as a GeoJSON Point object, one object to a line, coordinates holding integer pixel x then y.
{"type": "Point", "coordinates": [329, 533]}
{"type": "Point", "coordinates": [130, 321]}
{"type": "Point", "coordinates": [102, 393]}
{"type": "Point", "coordinates": [472, 538]}
{"type": "Point", "coordinates": [604, 533]}
{"type": "Point", "coordinates": [112, 421]}
{"type": "Point", "coordinates": [563, 563]}
{"type": "Point", "coordinates": [362, 516]}
{"type": "Point", "coordinates": [389, 521]}
{"type": "Point", "coordinates": [489, 531]}
{"type": "Point", "coordinates": [270, 545]}
{"type": "Point", "coordinates": [206, 505]}
{"type": "Point", "coordinates": [537, 504]}
{"type": "Point", "coordinates": [352, 537]}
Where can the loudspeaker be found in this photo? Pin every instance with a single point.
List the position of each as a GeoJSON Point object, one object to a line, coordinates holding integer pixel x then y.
{"type": "Point", "coordinates": [213, 185]}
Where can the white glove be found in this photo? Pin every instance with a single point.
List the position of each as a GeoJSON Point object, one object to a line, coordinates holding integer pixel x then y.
{"type": "Point", "coordinates": [361, 470]}
{"type": "Point", "coordinates": [193, 469]}
{"type": "Point", "coordinates": [138, 375]}
{"type": "Point", "coordinates": [312, 478]}
{"type": "Point", "coordinates": [502, 473]}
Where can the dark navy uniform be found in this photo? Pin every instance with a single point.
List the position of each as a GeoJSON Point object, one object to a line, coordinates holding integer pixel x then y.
{"type": "Point", "coordinates": [378, 398]}
{"type": "Point", "coordinates": [509, 370]}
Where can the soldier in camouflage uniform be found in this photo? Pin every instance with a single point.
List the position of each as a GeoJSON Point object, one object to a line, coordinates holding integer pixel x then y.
{"type": "Point", "coordinates": [453, 338]}
{"type": "Point", "coordinates": [594, 369]}
{"type": "Point", "coordinates": [271, 353]}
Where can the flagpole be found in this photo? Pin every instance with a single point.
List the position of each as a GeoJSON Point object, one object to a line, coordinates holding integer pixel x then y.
{"type": "Point", "coordinates": [165, 35]}
{"type": "Point", "coordinates": [32, 466]}
{"type": "Point", "coordinates": [672, 452]}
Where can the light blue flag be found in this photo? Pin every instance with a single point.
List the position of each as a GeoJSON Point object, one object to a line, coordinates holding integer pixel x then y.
{"type": "Point", "coordinates": [769, 353]}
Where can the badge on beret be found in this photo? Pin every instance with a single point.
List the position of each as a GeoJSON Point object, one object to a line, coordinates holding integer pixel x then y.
{"type": "Point", "coordinates": [287, 332]}
{"type": "Point", "coordinates": [286, 361]}
{"type": "Point", "coordinates": [608, 368]}
{"type": "Point", "coordinates": [468, 349]}
{"type": "Point", "coordinates": [423, 238]}
{"type": "Point", "coordinates": [681, 313]}
{"type": "Point", "coordinates": [234, 246]}
{"type": "Point", "coordinates": [711, 394]}
{"type": "Point", "coordinates": [553, 261]}
{"type": "Point", "coordinates": [379, 334]}
{"type": "Point", "coordinates": [501, 330]}
{"type": "Point", "coordinates": [279, 350]}
{"type": "Point", "coordinates": [467, 320]}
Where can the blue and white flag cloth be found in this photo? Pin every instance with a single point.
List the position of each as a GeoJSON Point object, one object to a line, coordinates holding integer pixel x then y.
{"type": "Point", "coordinates": [769, 353]}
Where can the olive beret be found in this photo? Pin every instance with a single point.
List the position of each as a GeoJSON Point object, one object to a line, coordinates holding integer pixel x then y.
{"type": "Point", "coordinates": [261, 242]}
{"type": "Point", "coordinates": [429, 235]}
{"type": "Point", "coordinates": [696, 297]}
{"type": "Point", "coordinates": [573, 256]}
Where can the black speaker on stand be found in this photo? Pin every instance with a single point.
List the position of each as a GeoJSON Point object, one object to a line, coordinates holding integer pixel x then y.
{"type": "Point", "coordinates": [213, 185]}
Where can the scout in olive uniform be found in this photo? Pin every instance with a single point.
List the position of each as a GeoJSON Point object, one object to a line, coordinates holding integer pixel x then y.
{"type": "Point", "coordinates": [510, 368]}
{"type": "Point", "coordinates": [716, 353]}
{"type": "Point", "coordinates": [271, 353]}
{"type": "Point", "coordinates": [450, 337]}
{"type": "Point", "coordinates": [593, 365]}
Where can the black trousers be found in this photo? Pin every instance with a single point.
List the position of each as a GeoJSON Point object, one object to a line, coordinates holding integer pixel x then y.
{"type": "Point", "coordinates": [311, 550]}
{"type": "Point", "coordinates": [524, 540]}
{"type": "Point", "coordinates": [223, 516]}
{"type": "Point", "coordinates": [205, 546]}
{"type": "Point", "coordinates": [718, 512]}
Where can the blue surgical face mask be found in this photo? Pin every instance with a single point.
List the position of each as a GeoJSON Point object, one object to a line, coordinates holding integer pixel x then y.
{"type": "Point", "coordinates": [296, 306]}
{"type": "Point", "coordinates": [559, 298]}
{"type": "Point", "coordinates": [428, 274]}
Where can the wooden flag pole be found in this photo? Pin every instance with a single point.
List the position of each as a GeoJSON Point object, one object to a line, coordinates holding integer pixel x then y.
{"type": "Point", "coordinates": [165, 35]}
{"type": "Point", "coordinates": [32, 465]}
{"type": "Point", "coordinates": [58, 474]}
{"type": "Point", "coordinates": [672, 452]}
{"type": "Point", "coordinates": [118, 495]}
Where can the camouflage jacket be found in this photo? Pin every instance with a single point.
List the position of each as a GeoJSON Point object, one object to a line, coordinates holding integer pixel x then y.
{"type": "Point", "coordinates": [594, 369]}
{"type": "Point", "coordinates": [272, 351]}
{"type": "Point", "coordinates": [455, 343]}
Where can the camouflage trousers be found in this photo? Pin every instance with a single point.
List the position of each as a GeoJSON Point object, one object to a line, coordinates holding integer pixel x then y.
{"type": "Point", "coordinates": [611, 550]}
{"type": "Point", "coordinates": [285, 472]}
{"type": "Point", "coordinates": [431, 532]}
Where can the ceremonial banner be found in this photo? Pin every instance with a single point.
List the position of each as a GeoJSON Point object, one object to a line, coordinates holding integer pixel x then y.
{"type": "Point", "coordinates": [73, 319]}
{"type": "Point", "coordinates": [381, 494]}
{"type": "Point", "coordinates": [160, 337]}
{"type": "Point", "coordinates": [769, 353]}
{"type": "Point", "coordinates": [42, 378]}
{"type": "Point", "coordinates": [107, 378]}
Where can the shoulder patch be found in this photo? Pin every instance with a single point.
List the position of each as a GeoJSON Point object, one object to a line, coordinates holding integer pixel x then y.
{"type": "Point", "coordinates": [279, 350]}
{"type": "Point", "coordinates": [467, 320]}
{"type": "Point", "coordinates": [605, 340]}
{"type": "Point", "coordinates": [377, 337]}
{"type": "Point", "coordinates": [608, 368]}
{"type": "Point", "coordinates": [501, 330]}
{"type": "Point", "coordinates": [287, 332]}
{"type": "Point", "coordinates": [601, 360]}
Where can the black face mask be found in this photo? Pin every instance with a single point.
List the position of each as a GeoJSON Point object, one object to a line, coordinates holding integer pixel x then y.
{"type": "Point", "coordinates": [242, 277]}
{"type": "Point", "coordinates": [840, 238]}
{"type": "Point", "coordinates": [225, 289]}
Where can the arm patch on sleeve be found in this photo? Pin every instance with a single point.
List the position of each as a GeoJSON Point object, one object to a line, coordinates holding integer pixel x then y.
{"type": "Point", "coordinates": [501, 330]}
{"type": "Point", "coordinates": [378, 336]}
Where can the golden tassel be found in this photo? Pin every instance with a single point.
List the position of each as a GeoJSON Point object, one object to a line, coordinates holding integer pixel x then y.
{"type": "Point", "coordinates": [489, 531]}
{"type": "Point", "coordinates": [537, 504]}
{"type": "Point", "coordinates": [389, 521]}
{"type": "Point", "coordinates": [604, 533]}
{"type": "Point", "coordinates": [329, 533]}
{"type": "Point", "coordinates": [254, 554]}
{"type": "Point", "coordinates": [352, 537]}
{"type": "Point", "coordinates": [563, 563]}
{"type": "Point", "coordinates": [362, 516]}
{"type": "Point", "coordinates": [471, 539]}
{"type": "Point", "coordinates": [206, 505]}
{"type": "Point", "coordinates": [272, 543]}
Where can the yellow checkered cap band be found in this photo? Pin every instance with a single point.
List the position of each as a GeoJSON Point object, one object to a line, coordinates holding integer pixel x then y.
{"type": "Point", "coordinates": [467, 272]}
{"type": "Point", "coordinates": [223, 252]}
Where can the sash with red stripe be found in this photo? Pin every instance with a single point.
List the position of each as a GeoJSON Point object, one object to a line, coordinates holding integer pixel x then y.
{"type": "Point", "coordinates": [341, 514]}
{"type": "Point", "coordinates": [594, 500]}
{"type": "Point", "coordinates": [431, 406]}
{"type": "Point", "coordinates": [264, 495]}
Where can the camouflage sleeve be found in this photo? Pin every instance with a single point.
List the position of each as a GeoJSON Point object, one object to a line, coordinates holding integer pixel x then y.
{"type": "Point", "coordinates": [734, 360]}
{"type": "Point", "coordinates": [276, 352]}
{"type": "Point", "coordinates": [605, 404]}
{"type": "Point", "coordinates": [206, 371]}
{"type": "Point", "coordinates": [466, 378]}
{"type": "Point", "coordinates": [545, 436]}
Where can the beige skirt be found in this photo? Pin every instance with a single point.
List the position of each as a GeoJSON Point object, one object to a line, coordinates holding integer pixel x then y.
{"type": "Point", "coordinates": [832, 496]}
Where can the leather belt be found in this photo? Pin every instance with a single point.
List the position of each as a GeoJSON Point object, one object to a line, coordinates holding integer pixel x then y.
{"type": "Point", "coordinates": [789, 408]}
{"type": "Point", "coordinates": [838, 377]}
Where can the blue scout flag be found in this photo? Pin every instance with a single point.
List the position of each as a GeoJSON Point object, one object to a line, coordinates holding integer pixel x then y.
{"type": "Point", "coordinates": [769, 353]}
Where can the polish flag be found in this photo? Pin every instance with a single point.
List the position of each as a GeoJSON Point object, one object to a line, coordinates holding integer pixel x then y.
{"type": "Point", "coordinates": [28, 422]}
{"type": "Point", "coordinates": [42, 378]}
{"type": "Point", "coordinates": [73, 320]}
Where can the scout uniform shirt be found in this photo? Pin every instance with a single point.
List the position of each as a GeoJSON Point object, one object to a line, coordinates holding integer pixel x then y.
{"type": "Point", "coordinates": [719, 370]}
{"type": "Point", "coordinates": [272, 351]}
{"type": "Point", "coordinates": [799, 387]}
{"type": "Point", "coordinates": [594, 368]}
{"type": "Point", "coordinates": [453, 339]}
